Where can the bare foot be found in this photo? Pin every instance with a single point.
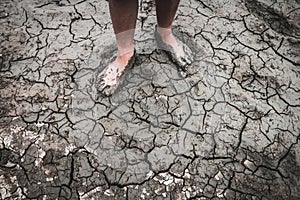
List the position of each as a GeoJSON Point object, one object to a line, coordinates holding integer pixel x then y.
{"type": "Point", "coordinates": [180, 53]}
{"type": "Point", "coordinates": [168, 38]}
{"type": "Point", "coordinates": [110, 76]}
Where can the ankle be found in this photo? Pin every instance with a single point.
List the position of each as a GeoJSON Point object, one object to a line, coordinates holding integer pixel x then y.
{"type": "Point", "coordinates": [125, 51]}
{"type": "Point", "coordinates": [123, 59]}
{"type": "Point", "coordinates": [126, 55]}
{"type": "Point", "coordinates": [164, 32]}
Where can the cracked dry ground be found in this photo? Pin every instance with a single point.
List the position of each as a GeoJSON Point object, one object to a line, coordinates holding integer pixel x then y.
{"type": "Point", "coordinates": [230, 130]}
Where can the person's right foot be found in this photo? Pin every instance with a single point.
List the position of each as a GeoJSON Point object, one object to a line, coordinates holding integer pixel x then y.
{"type": "Point", "coordinates": [110, 76]}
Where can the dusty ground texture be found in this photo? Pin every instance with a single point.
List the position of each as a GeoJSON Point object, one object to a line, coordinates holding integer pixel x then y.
{"type": "Point", "coordinates": [230, 130]}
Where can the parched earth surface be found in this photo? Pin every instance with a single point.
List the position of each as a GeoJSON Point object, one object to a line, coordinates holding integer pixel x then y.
{"type": "Point", "coordinates": [229, 130]}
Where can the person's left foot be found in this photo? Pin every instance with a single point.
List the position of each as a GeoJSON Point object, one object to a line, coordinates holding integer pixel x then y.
{"type": "Point", "coordinates": [180, 53]}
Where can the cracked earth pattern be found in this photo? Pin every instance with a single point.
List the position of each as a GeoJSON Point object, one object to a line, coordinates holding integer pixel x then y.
{"type": "Point", "coordinates": [230, 130]}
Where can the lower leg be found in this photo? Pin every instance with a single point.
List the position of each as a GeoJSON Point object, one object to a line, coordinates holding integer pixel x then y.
{"type": "Point", "coordinates": [165, 12]}
{"type": "Point", "coordinates": [123, 15]}
{"type": "Point", "coordinates": [180, 53]}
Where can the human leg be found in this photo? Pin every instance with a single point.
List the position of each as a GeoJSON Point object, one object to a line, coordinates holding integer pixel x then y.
{"type": "Point", "coordinates": [180, 53]}
{"type": "Point", "coordinates": [123, 15]}
{"type": "Point", "coordinates": [165, 12]}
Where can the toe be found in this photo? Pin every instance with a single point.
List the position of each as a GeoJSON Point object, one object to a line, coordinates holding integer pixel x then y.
{"type": "Point", "coordinates": [188, 60]}
{"type": "Point", "coordinates": [102, 84]}
{"type": "Point", "coordinates": [182, 63]}
{"type": "Point", "coordinates": [108, 91]}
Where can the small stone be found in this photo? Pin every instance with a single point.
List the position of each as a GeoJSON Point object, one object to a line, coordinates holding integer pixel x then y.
{"type": "Point", "coordinates": [250, 165]}
{"type": "Point", "coordinates": [49, 179]}
{"type": "Point", "coordinates": [218, 176]}
{"type": "Point", "coordinates": [39, 124]}
{"type": "Point", "coordinates": [168, 182]}
{"type": "Point", "coordinates": [149, 174]}
{"type": "Point", "coordinates": [109, 192]}
{"type": "Point", "coordinates": [188, 194]}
